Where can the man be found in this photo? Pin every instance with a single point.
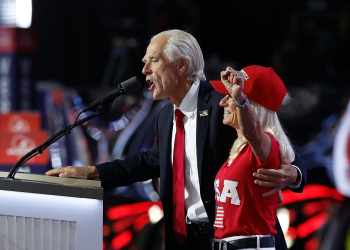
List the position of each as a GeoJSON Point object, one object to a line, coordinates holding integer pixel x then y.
{"type": "Point", "coordinates": [174, 71]}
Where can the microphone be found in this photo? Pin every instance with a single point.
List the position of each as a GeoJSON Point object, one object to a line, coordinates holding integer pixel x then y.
{"type": "Point", "coordinates": [123, 88]}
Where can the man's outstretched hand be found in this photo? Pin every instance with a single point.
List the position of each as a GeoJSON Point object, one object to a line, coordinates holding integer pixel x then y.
{"type": "Point", "coordinates": [75, 172]}
{"type": "Point", "coordinates": [276, 178]}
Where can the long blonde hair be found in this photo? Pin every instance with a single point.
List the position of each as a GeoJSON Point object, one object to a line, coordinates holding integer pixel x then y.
{"type": "Point", "coordinates": [269, 122]}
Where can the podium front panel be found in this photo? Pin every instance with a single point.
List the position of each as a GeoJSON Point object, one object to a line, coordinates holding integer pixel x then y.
{"type": "Point", "coordinates": [35, 219]}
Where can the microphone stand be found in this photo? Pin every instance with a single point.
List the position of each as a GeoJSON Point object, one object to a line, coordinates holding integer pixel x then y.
{"type": "Point", "coordinates": [38, 150]}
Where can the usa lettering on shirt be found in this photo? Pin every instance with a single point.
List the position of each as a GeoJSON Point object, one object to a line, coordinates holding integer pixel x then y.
{"type": "Point", "coordinates": [229, 190]}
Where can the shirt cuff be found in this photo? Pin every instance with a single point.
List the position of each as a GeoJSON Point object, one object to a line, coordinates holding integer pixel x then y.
{"type": "Point", "coordinates": [297, 183]}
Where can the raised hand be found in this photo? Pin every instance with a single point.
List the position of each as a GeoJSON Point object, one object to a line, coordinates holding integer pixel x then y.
{"type": "Point", "coordinates": [234, 83]}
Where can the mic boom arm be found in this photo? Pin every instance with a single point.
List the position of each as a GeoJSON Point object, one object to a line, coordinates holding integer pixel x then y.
{"type": "Point", "coordinates": [104, 106]}
{"type": "Point", "coordinates": [124, 88]}
{"type": "Point", "coordinates": [52, 139]}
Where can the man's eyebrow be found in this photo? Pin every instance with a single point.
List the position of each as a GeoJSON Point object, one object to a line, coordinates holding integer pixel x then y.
{"type": "Point", "coordinates": [150, 58]}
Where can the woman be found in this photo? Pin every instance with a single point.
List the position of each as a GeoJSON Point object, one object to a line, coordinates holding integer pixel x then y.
{"type": "Point", "coordinates": [244, 218]}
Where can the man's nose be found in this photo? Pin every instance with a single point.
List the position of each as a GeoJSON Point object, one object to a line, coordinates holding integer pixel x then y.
{"type": "Point", "coordinates": [146, 69]}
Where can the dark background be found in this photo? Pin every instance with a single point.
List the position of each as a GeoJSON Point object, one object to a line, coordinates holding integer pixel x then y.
{"type": "Point", "coordinates": [306, 42]}
{"type": "Point", "coordinates": [85, 43]}
{"type": "Point", "coordinates": [75, 37]}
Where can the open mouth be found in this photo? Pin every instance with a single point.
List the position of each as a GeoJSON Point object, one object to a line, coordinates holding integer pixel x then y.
{"type": "Point", "coordinates": [150, 85]}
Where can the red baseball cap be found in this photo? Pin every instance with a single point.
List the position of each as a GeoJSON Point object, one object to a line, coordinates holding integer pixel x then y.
{"type": "Point", "coordinates": [262, 85]}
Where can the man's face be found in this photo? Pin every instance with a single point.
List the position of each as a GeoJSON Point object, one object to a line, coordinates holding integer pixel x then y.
{"type": "Point", "coordinates": [161, 74]}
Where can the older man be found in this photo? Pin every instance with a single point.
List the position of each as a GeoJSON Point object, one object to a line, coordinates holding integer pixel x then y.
{"type": "Point", "coordinates": [191, 145]}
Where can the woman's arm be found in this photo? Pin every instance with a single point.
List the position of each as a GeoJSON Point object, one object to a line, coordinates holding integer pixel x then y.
{"type": "Point", "coordinates": [249, 125]}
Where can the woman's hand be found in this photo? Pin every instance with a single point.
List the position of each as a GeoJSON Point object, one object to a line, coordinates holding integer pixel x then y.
{"type": "Point", "coordinates": [234, 83]}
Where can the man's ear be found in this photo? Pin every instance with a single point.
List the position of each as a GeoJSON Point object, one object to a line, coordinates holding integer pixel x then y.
{"type": "Point", "coordinates": [183, 64]}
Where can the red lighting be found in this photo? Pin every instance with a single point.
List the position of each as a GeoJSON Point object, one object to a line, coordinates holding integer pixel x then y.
{"type": "Point", "coordinates": [311, 225]}
{"type": "Point", "coordinates": [132, 247]}
{"type": "Point", "coordinates": [122, 224]}
{"type": "Point", "coordinates": [141, 222]}
{"type": "Point", "coordinates": [315, 207]}
{"type": "Point", "coordinates": [291, 233]}
{"type": "Point", "coordinates": [127, 220]}
{"type": "Point", "coordinates": [292, 215]}
{"type": "Point", "coordinates": [106, 230]}
{"type": "Point", "coordinates": [122, 211]}
{"type": "Point", "coordinates": [311, 192]}
{"type": "Point", "coordinates": [122, 239]}
{"type": "Point", "coordinates": [311, 244]}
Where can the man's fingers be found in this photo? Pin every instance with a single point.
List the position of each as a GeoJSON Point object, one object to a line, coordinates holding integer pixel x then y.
{"type": "Point", "coordinates": [270, 172]}
{"type": "Point", "coordinates": [88, 172]}
{"type": "Point", "coordinates": [275, 180]}
{"type": "Point", "coordinates": [271, 192]}
{"type": "Point", "coordinates": [268, 177]}
{"type": "Point", "coordinates": [64, 172]}
{"type": "Point", "coordinates": [55, 172]}
{"type": "Point", "coordinates": [68, 172]}
{"type": "Point", "coordinates": [265, 183]}
{"type": "Point", "coordinates": [275, 187]}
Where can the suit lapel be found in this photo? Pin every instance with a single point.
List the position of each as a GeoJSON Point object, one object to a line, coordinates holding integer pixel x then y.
{"type": "Point", "coordinates": [166, 127]}
{"type": "Point", "coordinates": [203, 120]}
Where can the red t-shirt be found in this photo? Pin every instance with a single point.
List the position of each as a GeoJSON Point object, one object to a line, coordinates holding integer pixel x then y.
{"type": "Point", "coordinates": [240, 207]}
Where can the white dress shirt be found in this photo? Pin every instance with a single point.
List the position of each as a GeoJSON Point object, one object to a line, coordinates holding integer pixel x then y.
{"type": "Point", "coordinates": [194, 204]}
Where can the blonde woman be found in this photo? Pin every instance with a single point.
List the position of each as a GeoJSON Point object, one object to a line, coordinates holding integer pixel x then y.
{"type": "Point", "coordinates": [244, 218]}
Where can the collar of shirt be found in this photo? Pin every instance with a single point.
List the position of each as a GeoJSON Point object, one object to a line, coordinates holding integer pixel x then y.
{"type": "Point", "coordinates": [189, 104]}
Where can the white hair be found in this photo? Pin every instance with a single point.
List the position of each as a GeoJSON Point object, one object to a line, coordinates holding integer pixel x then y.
{"type": "Point", "coordinates": [269, 122]}
{"type": "Point", "coordinates": [181, 44]}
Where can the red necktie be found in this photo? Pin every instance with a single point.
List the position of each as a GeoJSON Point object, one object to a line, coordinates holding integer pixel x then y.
{"type": "Point", "coordinates": [180, 232]}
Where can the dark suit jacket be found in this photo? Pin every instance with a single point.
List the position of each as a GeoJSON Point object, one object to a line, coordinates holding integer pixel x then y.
{"type": "Point", "coordinates": [214, 141]}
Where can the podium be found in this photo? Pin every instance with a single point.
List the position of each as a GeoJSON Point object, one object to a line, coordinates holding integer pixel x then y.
{"type": "Point", "coordinates": [39, 212]}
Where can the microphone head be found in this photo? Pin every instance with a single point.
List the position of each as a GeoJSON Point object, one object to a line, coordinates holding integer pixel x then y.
{"type": "Point", "coordinates": [131, 85]}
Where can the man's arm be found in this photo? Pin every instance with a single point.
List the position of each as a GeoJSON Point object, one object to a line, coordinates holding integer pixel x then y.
{"type": "Point", "coordinates": [139, 167]}
{"type": "Point", "coordinates": [277, 179]}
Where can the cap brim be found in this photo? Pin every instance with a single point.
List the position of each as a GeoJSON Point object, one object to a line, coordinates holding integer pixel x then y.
{"type": "Point", "coordinates": [220, 87]}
